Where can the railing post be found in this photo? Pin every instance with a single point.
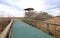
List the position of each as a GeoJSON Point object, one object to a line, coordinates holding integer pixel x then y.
{"type": "Point", "coordinates": [55, 31]}
{"type": "Point", "coordinates": [47, 27]}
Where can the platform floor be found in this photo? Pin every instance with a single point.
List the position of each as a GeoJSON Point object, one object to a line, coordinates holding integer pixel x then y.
{"type": "Point", "coordinates": [23, 30]}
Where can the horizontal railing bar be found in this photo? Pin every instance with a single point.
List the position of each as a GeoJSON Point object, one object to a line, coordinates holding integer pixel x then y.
{"type": "Point", "coordinates": [51, 23]}
{"type": "Point", "coordinates": [57, 24]}
{"type": "Point", "coordinates": [6, 30]}
{"type": "Point", "coordinates": [48, 30]}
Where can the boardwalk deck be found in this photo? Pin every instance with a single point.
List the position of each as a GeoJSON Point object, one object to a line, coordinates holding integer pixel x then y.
{"type": "Point", "coordinates": [23, 30]}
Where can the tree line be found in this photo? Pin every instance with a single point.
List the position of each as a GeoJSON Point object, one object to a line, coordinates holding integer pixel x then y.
{"type": "Point", "coordinates": [39, 15]}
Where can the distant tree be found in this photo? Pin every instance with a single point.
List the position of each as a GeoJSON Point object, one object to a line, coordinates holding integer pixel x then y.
{"type": "Point", "coordinates": [43, 16]}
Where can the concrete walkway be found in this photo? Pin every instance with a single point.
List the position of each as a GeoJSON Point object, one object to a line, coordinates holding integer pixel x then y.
{"type": "Point", "coordinates": [23, 30]}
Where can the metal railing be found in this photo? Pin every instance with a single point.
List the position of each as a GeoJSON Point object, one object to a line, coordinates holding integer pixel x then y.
{"type": "Point", "coordinates": [6, 30]}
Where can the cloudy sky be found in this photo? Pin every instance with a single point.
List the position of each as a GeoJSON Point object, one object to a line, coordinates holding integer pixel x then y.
{"type": "Point", "coordinates": [15, 7]}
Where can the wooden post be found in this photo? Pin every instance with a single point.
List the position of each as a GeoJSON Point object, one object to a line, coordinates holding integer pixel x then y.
{"type": "Point", "coordinates": [47, 27]}
{"type": "Point", "coordinates": [55, 31]}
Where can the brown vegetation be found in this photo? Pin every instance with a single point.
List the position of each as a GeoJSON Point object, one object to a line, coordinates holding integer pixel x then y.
{"type": "Point", "coordinates": [52, 29]}
{"type": "Point", "coordinates": [44, 22]}
{"type": "Point", "coordinates": [3, 23]}
{"type": "Point", "coordinates": [54, 20]}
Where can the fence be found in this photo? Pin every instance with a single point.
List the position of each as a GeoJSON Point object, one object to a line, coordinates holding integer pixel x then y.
{"type": "Point", "coordinates": [6, 30]}
{"type": "Point", "coordinates": [48, 27]}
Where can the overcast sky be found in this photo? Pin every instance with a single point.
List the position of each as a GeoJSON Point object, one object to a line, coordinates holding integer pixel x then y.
{"type": "Point", "coordinates": [15, 7]}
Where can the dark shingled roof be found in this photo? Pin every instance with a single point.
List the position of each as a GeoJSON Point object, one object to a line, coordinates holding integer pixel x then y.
{"type": "Point", "coordinates": [29, 9]}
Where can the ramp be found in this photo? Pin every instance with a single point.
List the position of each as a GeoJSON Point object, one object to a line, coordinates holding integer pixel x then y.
{"type": "Point", "coordinates": [23, 30]}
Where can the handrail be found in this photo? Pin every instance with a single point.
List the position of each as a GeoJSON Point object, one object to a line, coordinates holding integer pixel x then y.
{"type": "Point", "coordinates": [47, 30]}
{"type": "Point", "coordinates": [6, 30]}
{"type": "Point", "coordinates": [45, 22]}
{"type": "Point", "coordinates": [51, 23]}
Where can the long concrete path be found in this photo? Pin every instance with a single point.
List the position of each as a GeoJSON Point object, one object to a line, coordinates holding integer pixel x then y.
{"type": "Point", "coordinates": [23, 30]}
